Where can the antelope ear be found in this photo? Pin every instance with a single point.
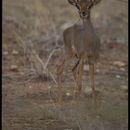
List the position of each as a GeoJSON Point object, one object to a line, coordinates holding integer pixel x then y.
{"type": "Point", "coordinates": [93, 3]}
{"type": "Point", "coordinates": [96, 1]}
{"type": "Point", "coordinates": [72, 2]}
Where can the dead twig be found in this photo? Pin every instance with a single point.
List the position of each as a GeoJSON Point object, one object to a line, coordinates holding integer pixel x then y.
{"type": "Point", "coordinates": [79, 125]}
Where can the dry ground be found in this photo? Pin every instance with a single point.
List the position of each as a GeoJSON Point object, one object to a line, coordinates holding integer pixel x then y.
{"type": "Point", "coordinates": [32, 30]}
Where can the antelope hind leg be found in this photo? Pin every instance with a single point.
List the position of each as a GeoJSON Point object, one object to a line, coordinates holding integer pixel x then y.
{"type": "Point", "coordinates": [91, 71]}
{"type": "Point", "coordinates": [78, 72]}
{"type": "Point", "coordinates": [79, 78]}
{"type": "Point", "coordinates": [60, 69]}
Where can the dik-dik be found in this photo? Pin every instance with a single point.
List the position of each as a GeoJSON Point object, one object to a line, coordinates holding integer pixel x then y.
{"type": "Point", "coordinates": [80, 41]}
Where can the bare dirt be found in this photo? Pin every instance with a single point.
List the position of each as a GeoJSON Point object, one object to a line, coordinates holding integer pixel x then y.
{"type": "Point", "coordinates": [31, 31]}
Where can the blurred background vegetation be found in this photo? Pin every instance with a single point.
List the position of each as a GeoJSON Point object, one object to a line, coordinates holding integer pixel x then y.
{"type": "Point", "coordinates": [41, 17]}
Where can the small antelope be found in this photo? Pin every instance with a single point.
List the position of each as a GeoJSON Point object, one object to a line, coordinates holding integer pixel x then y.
{"type": "Point", "coordinates": [82, 42]}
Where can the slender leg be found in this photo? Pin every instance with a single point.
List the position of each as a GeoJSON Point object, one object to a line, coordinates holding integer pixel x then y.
{"type": "Point", "coordinates": [91, 70]}
{"type": "Point", "coordinates": [74, 69]}
{"type": "Point", "coordinates": [60, 69]}
{"type": "Point", "coordinates": [78, 72]}
{"type": "Point", "coordinates": [75, 74]}
{"type": "Point", "coordinates": [79, 78]}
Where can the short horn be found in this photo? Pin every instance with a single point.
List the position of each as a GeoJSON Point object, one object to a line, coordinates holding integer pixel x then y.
{"type": "Point", "coordinates": [95, 2]}
{"type": "Point", "coordinates": [72, 2]}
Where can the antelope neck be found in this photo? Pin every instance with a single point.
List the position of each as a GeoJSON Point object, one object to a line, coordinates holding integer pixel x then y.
{"type": "Point", "coordinates": [86, 21]}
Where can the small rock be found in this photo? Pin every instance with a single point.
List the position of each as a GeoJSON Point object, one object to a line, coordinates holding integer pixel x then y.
{"type": "Point", "coordinates": [14, 67]}
{"type": "Point", "coordinates": [86, 68]}
{"type": "Point", "coordinates": [119, 63]}
{"type": "Point", "coordinates": [99, 63]}
{"type": "Point", "coordinates": [87, 90]}
{"type": "Point", "coordinates": [5, 53]}
{"type": "Point", "coordinates": [124, 87]}
{"type": "Point", "coordinates": [49, 87]}
{"type": "Point", "coordinates": [68, 94]}
{"type": "Point", "coordinates": [22, 73]}
{"type": "Point", "coordinates": [103, 101]}
{"type": "Point", "coordinates": [122, 69]}
{"type": "Point", "coordinates": [98, 117]}
{"type": "Point", "coordinates": [30, 87]}
{"type": "Point", "coordinates": [97, 70]}
{"type": "Point", "coordinates": [118, 76]}
{"type": "Point", "coordinates": [14, 52]}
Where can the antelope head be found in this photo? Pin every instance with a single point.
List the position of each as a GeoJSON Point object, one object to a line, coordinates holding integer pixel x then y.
{"type": "Point", "coordinates": [84, 6]}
